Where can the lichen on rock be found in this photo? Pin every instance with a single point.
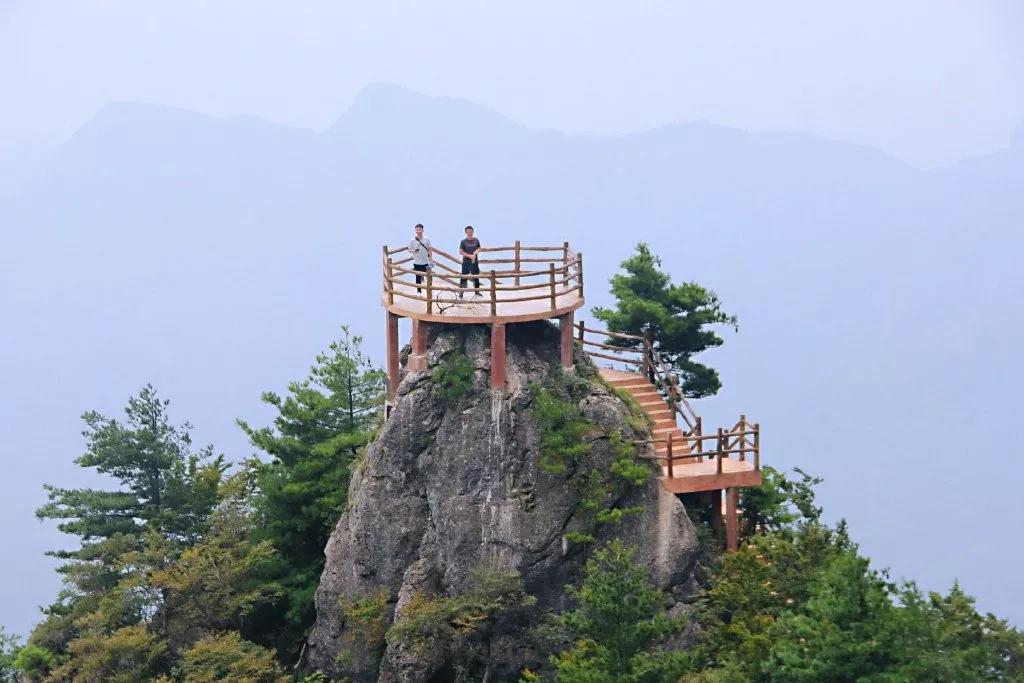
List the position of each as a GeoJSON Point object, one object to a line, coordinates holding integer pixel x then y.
{"type": "Point", "coordinates": [454, 487]}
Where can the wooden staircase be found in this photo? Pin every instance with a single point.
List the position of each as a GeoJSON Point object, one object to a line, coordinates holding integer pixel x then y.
{"type": "Point", "coordinates": [652, 402]}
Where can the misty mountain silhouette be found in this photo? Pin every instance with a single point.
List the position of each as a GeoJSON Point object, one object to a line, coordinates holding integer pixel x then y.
{"type": "Point", "coordinates": [214, 257]}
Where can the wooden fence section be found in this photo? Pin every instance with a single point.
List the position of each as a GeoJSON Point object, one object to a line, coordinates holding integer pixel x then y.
{"type": "Point", "coordinates": [513, 281]}
{"type": "Point", "coordinates": [638, 354]}
{"type": "Point", "coordinates": [743, 440]}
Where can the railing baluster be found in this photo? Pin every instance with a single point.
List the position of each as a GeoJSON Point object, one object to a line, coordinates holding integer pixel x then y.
{"type": "Point", "coordinates": [391, 281]}
{"type": "Point", "coordinates": [430, 292]}
{"type": "Point", "coordinates": [743, 438]}
{"type": "Point", "coordinates": [551, 271]}
{"type": "Point", "coordinates": [757, 445]}
{"type": "Point", "coordinates": [721, 447]}
{"type": "Point", "coordinates": [700, 442]}
{"type": "Point", "coordinates": [518, 262]}
{"type": "Point", "coordinates": [670, 460]}
{"type": "Point", "coordinates": [494, 293]}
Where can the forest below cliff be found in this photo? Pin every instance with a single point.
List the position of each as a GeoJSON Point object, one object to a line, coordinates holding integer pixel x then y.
{"type": "Point", "coordinates": [192, 568]}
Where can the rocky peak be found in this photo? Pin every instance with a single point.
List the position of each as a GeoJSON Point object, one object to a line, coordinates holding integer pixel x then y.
{"type": "Point", "coordinates": [464, 503]}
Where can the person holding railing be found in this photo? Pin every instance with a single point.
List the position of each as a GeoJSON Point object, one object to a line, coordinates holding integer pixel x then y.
{"type": "Point", "coordinates": [419, 247]}
{"type": "Point", "coordinates": [469, 250]}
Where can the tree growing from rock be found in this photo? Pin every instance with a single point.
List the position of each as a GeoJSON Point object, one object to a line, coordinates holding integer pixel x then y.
{"type": "Point", "coordinates": [679, 319]}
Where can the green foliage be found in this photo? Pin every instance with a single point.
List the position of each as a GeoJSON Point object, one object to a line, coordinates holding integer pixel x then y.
{"type": "Point", "coordinates": [798, 603]}
{"type": "Point", "coordinates": [780, 502]}
{"type": "Point", "coordinates": [318, 433]}
{"type": "Point", "coordinates": [30, 661]}
{"type": "Point", "coordinates": [453, 376]}
{"type": "Point", "coordinates": [566, 438]}
{"type": "Point", "coordinates": [451, 622]}
{"type": "Point", "coordinates": [563, 432]}
{"type": "Point", "coordinates": [366, 622]}
{"type": "Point", "coordinates": [9, 651]}
{"type": "Point", "coordinates": [212, 586]}
{"type": "Point", "coordinates": [164, 502]}
{"type": "Point", "coordinates": [677, 318]}
{"type": "Point", "coordinates": [617, 625]}
{"type": "Point", "coordinates": [126, 655]}
{"type": "Point", "coordinates": [226, 658]}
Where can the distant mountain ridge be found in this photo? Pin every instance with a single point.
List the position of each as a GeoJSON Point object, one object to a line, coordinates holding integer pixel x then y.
{"type": "Point", "coordinates": [875, 299]}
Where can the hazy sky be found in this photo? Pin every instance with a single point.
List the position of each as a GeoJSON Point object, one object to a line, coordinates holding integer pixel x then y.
{"type": "Point", "coordinates": [930, 81]}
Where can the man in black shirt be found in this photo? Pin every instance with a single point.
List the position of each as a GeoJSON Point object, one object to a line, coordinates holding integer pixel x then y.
{"type": "Point", "coordinates": [469, 249]}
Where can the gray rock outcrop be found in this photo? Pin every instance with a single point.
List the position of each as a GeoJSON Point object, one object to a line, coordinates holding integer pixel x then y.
{"type": "Point", "coordinates": [446, 488]}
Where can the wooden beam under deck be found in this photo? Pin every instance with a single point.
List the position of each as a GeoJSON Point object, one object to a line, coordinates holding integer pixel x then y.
{"type": "Point", "coordinates": [703, 476]}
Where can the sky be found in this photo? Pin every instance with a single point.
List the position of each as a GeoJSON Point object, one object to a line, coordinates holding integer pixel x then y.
{"type": "Point", "coordinates": [928, 81]}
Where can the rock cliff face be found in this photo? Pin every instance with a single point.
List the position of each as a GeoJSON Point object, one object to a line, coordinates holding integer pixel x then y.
{"type": "Point", "coordinates": [456, 483]}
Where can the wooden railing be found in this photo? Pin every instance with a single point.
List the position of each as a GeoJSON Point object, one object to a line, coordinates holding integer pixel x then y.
{"type": "Point", "coordinates": [742, 440]}
{"type": "Point", "coordinates": [514, 276]}
{"type": "Point", "coordinates": [638, 353]}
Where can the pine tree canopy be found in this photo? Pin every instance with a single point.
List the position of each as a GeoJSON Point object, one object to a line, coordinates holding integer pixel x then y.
{"type": "Point", "coordinates": [677, 318]}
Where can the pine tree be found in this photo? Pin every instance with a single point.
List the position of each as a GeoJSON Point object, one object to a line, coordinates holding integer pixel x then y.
{"type": "Point", "coordinates": [163, 502]}
{"type": "Point", "coordinates": [320, 428]}
{"type": "Point", "coordinates": [677, 318]}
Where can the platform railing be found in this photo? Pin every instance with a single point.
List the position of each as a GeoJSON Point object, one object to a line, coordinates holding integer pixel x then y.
{"type": "Point", "coordinates": [637, 352]}
{"type": "Point", "coordinates": [516, 276]}
{"type": "Point", "coordinates": [742, 440]}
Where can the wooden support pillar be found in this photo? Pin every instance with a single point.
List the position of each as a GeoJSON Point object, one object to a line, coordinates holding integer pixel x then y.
{"type": "Point", "coordinates": [418, 357]}
{"type": "Point", "coordinates": [391, 337]}
{"type": "Point", "coordinates": [565, 326]}
{"type": "Point", "coordinates": [732, 522]}
{"type": "Point", "coordinates": [714, 498]}
{"type": "Point", "coordinates": [498, 355]}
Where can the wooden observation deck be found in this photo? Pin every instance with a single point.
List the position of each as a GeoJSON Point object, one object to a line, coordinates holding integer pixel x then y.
{"type": "Point", "coordinates": [520, 284]}
{"type": "Point", "coordinates": [516, 284]}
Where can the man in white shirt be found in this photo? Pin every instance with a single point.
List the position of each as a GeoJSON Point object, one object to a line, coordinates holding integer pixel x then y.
{"type": "Point", "coordinates": [420, 250]}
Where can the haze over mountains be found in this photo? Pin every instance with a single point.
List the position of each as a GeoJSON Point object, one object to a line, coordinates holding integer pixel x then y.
{"type": "Point", "coordinates": [879, 304]}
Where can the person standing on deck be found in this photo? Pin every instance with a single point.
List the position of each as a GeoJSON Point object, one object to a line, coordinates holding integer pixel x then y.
{"type": "Point", "coordinates": [420, 250]}
{"type": "Point", "coordinates": [469, 249]}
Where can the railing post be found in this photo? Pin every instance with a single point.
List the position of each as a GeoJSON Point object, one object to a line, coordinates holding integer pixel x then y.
{"type": "Point", "coordinates": [700, 444]}
{"type": "Point", "coordinates": [743, 438]}
{"type": "Point", "coordinates": [518, 261]}
{"type": "Point", "coordinates": [551, 272]}
{"type": "Point", "coordinates": [565, 254]}
{"type": "Point", "coordinates": [670, 458]}
{"type": "Point", "coordinates": [391, 280]}
{"type": "Point", "coordinates": [648, 370]}
{"type": "Point", "coordinates": [757, 445]}
{"type": "Point", "coordinates": [494, 293]}
{"type": "Point", "coordinates": [579, 265]}
{"type": "Point", "coordinates": [720, 448]}
{"type": "Point", "coordinates": [581, 326]}
{"type": "Point", "coordinates": [430, 292]}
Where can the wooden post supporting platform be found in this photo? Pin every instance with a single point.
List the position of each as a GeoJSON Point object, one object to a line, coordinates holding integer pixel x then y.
{"type": "Point", "coordinates": [498, 355]}
{"type": "Point", "coordinates": [391, 335]}
{"type": "Point", "coordinates": [565, 326]}
{"type": "Point", "coordinates": [732, 522]}
{"type": "Point", "coordinates": [717, 526]}
{"type": "Point", "coordinates": [418, 357]}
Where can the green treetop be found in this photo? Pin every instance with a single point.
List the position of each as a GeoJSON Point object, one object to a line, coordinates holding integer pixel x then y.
{"type": "Point", "coordinates": [319, 429]}
{"type": "Point", "coordinates": [677, 318]}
